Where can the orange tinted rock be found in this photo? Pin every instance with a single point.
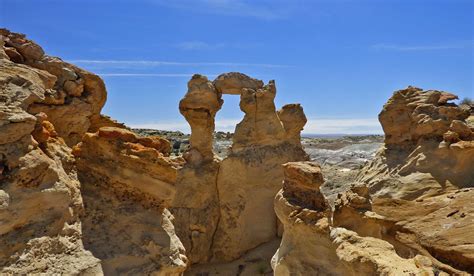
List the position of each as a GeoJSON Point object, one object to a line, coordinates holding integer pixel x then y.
{"type": "Point", "coordinates": [156, 142]}
{"type": "Point", "coordinates": [116, 154]}
{"type": "Point", "coordinates": [117, 133]}
{"type": "Point", "coordinates": [446, 97]}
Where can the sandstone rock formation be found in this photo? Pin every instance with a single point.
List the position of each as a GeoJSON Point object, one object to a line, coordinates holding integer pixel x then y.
{"type": "Point", "coordinates": [127, 181]}
{"type": "Point", "coordinates": [251, 174]}
{"type": "Point", "coordinates": [428, 147]}
{"type": "Point", "coordinates": [40, 229]}
{"type": "Point", "coordinates": [100, 211]}
{"type": "Point", "coordinates": [199, 107]}
{"type": "Point", "coordinates": [409, 211]}
{"type": "Point", "coordinates": [421, 183]}
{"type": "Point", "coordinates": [312, 245]}
{"type": "Point", "coordinates": [104, 191]}
{"type": "Point", "coordinates": [73, 97]}
{"type": "Point", "coordinates": [219, 203]}
{"type": "Point", "coordinates": [82, 194]}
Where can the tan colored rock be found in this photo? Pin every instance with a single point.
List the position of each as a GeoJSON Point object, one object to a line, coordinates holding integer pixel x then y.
{"type": "Point", "coordinates": [415, 161]}
{"type": "Point", "coordinates": [40, 198]}
{"type": "Point", "coordinates": [260, 125]}
{"type": "Point", "coordinates": [219, 203]}
{"type": "Point", "coordinates": [73, 97]}
{"type": "Point", "coordinates": [293, 120]}
{"type": "Point", "coordinates": [462, 129]}
{"type": "Point", "coordinates": [437, 227]}
{"type": "Point", "coordinates": [371, 256]}
{"type": "Point", "coordinates": [74, 88]}
{"type": "Point", "coordinates": [13, 55]}
{"type": "Point", "coordinates": [234, 82]}
{"type": "Point", "coordinates": [196, 208]}
{"type": "Point", "coordinates": [312, 246]}
{"type": "Point", "coordinates": [144, 170]}
{"type": "Point", "coordinates": [199, 106]}
{"type": "Point", "coordinates": [251, 175]}
{"type": "Point", "coordinates": [48, 223]}
{"type": "Point", "coordinates": [417, 188]}
{"type": "Point", "coordinates": [104, 121]}
{"type": "Point", "coordinates": [196, 205]}
{"type": "Point", "coordinates": [127, 183]}
{"type": "Point", "coordinates": [418, 115]}
{"type": "Point", "coordinates": [3, 54]}
{"type": "Point", "coordinates": [301, 184]}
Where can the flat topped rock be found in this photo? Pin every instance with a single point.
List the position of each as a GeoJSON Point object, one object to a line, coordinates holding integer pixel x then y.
{"type": "Point", "coordinates": [307, 174]}
{"type": "Point", "coordinates": [234, 82]}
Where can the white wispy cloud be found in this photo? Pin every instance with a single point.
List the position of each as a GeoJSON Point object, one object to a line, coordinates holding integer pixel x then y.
{"type": "Point", "coordinates": [199, 45]}
{"type": "Point", "coordinates": [313, 126]}
{"type": "Point", "coordinates": [433, 47]}
{"type": "Point", "coordinates": [155, 63]}
{"type": "Point", "coordinates": [264, 9]}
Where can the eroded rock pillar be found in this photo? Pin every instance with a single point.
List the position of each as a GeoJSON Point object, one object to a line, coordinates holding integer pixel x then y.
{"type": "Point", "coordinates": [196, 206]}
{"type": "Point", "coordinates": [251, 174]}
{"type": "Point", "coordinates": [199, 106]}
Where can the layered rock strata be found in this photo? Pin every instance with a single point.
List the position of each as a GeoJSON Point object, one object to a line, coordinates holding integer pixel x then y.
{"type": "Point", "coordinates": [127, 183]}
{"type": "Point", "coordinates": [40, 200]}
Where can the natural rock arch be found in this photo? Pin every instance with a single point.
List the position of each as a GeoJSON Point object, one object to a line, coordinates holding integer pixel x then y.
{"type": "Point", "coordinates": [220, 202]}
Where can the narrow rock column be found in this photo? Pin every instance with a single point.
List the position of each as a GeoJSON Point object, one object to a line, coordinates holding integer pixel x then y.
{"type": "Point", "coordinates": [251, 175]}
{"type": "Point", "coordinates": [199, 106]}
{"type": "Point", "coordinates": [196, 206]}
{"type": "Point", "coordinates": [293, 120]}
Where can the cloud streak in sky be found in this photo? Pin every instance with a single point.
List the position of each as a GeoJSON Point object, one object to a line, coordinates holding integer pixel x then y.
{"type": "Point", "coordinates": [264, 9]}
{"type": "Point", "coordinates": [199, 45]}
{"type": "Point", "coordinates": [155, 63]}
{"type": "Point", "coordinates": [396, 47]}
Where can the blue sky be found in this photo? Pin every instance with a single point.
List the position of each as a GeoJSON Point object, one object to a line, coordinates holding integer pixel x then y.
{"type": "Point", "coordinates": [341, 59]}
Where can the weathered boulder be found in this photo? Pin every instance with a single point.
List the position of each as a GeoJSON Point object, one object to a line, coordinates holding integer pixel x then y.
{"type": "Point", "coordinates": [293, 120]}
{"type": "Point", "coordinates": [412, 114]}
{"type": "Point", "coordinates": [74, 97]}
